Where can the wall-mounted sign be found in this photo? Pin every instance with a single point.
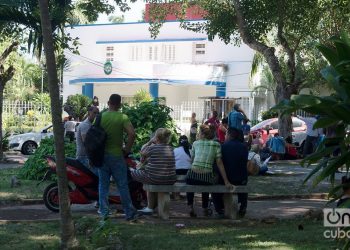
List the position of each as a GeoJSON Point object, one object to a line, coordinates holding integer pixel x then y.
{"type": "Point", "coordinates": [107, 68]}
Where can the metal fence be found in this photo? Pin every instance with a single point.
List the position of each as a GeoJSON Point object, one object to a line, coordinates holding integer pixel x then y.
{"type": "Point", "coordinates": [182, 114]}
{"type": "Point", "coordinates": [25, 116]}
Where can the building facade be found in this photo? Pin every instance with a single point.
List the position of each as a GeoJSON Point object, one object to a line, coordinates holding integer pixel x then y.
{"type": "Point", "coordinates": [179, 65]}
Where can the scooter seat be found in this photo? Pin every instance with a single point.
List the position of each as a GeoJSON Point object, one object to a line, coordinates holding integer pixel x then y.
{"type": "Point", "coordinates": [77, 164]}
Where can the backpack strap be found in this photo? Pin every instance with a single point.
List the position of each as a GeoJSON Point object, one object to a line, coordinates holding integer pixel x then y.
{"type": "Point", "coordinates": [98, 120]}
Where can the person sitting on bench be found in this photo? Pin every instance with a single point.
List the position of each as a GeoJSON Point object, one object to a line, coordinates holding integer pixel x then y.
{"type": "Point", "coordinates": [234, 157]}
{"type": "Point", "coordinates": [160, 167]}
{"type": "Point", "coordinates": [205, 152]}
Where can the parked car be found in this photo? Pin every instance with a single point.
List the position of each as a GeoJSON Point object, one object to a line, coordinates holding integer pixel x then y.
{"type": "Point", "coordinates": [27, 143]}
{"type": "Point", "coordinates": [270, 126]}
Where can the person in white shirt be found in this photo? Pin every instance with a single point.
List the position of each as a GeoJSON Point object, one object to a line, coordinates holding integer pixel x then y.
{"type": "Point", "coordinates": [311, 135]}
{"type": "Point", "coordinates": [182, 154]}
{"type": "Point", "coordinates": [254, 157]}
{"type": "Point", "coordinates": [69, 128]}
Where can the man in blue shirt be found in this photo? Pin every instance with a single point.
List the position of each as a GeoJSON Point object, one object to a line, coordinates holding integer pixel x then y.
{"type": "Point", "coordinates": [236, 169]}
{"type": "Point", "coordinates": [246, 127]}
{"type": "Point", "coordinates": [236, 118]}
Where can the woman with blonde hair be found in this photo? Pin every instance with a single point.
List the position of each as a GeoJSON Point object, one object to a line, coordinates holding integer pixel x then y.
{"type": "Point", "coordinates": [205, 152]}
{"type": "Point", "coordinates": [160, 167]}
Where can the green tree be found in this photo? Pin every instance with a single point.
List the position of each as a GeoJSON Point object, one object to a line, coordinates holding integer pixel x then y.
{"type": "Point", "coordinates": [334, 114]}
{"type": "Point", "coordinates": [278, 30]}
{"type": "Point", "coordinates": [116, 19]}
{"type": "Point", "coordinates": [44, 22]}
{"type": "Point", "coordinates": [267, 83]}
{"type": "Point", "coordinates": [77, 105]}
{"type": "Point", "coordinates": [142, 95]}
{"type": "Point", "coordinates": [67, 227]}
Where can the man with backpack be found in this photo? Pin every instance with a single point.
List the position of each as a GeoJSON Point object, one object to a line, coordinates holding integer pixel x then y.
{"type": "Point", "coordinates": [115, 123]}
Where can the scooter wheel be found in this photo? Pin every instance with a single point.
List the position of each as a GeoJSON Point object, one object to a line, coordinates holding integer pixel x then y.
{"type": "Point", "coordinates": [50, 197]}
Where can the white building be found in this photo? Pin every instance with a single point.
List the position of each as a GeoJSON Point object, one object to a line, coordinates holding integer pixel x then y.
{"type": "Point", "coordinates": [179, 65]}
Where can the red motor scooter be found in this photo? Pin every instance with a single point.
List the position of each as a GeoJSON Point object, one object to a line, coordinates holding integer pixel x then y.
{"type": "Point", "coordinates": [83, 185]}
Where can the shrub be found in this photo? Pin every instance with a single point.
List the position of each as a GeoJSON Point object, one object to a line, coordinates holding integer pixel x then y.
{"type": "Point", "coordinates": [77, 105]}
{"type": "Point", "coordinates": [36, 166]}
{"type": "Point", "coordinates": [334, 114]}
{"type": "Point", "coordinates": [146, 118]}
{"type": "Point", "coordinates": [42, 100]}
{"type": "Point", "coordinates": [142, 95]}
{"type": "Point", "coordinates": [269, 114]}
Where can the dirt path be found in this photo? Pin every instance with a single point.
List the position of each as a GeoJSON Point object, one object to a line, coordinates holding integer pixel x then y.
{"type": "Point", "coordinates": [280, 209]}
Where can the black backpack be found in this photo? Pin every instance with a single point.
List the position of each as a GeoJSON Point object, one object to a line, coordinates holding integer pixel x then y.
{"type": "Point", "coordinates": [95, 142]}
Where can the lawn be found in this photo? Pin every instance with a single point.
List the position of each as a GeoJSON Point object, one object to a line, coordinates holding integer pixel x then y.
{"type": "Point", "coordinates": [282, 235]}
{"type": "Point", "coordinates": [27, 190]}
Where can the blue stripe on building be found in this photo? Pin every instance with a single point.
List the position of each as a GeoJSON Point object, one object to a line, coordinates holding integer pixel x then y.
{"type": "Point", "coordinates": [154, 40]}
{"type": "Point", "coordinates": [87, 89]}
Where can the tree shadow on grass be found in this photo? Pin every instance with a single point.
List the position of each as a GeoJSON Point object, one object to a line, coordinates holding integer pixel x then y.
{"type": "Point", "coordinates": [282, 235]}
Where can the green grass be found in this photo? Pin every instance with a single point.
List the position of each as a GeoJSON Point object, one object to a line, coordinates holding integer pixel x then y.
{"type": "Point", "coordinates": [29, 236]}
{"type": "Point", "coordinates": [27, 190]}
{"type": "Point", "coordinates": [215, 235]}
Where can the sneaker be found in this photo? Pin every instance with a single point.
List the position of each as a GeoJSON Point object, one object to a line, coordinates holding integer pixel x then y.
{"type": "Point", "coordinates": [97, 205]}
{"type": "Point", "coordinates": [99, 212]}
{"type": "Point", "coordinates": [136, 216]}
{"type": "Point", "coordinates": [146, 210]}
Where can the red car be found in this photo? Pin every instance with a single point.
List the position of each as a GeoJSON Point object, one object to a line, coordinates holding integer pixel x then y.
{"type": "Point", "coordinates": [271, 125]}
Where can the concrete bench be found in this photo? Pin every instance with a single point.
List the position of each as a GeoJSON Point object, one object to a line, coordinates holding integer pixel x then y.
{"type": "Point", "coordinates": [162, 194]}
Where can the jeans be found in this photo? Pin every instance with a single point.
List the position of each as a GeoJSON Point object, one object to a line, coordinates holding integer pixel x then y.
{"type": "Point", "coordinates": [85, 161]}
{"type": "Point", "coordinates": [116, 167]}
{"type": "Point", "coordinates": [263, 169]}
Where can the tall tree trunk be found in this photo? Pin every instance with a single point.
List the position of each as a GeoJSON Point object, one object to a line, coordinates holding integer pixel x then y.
{"type": "Point", "coordinates": [1, 109]}
{"type": "Point", "coordinates": [5, 76]}
{"type": "Point", "coordinates": [285, 126]}
{"type": "Point", "coordinates": [67, 227]}
{"type": "Point", "coordinates": [282, 90]}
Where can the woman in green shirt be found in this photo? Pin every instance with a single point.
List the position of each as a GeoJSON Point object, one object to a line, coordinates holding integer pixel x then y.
{"type": "Point", "coordinates": [205, 152]}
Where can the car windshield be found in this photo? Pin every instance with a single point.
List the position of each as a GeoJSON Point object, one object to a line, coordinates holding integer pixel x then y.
{"type": "Point", "coordinates": [261, 125]}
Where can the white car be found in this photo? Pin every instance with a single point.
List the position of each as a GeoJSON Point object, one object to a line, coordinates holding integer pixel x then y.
{"type": "Point", "coordinates": [27, 143]}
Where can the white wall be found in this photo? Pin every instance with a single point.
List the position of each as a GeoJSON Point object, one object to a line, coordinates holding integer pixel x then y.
{"type": "Point", "coordinates": [89, 64]}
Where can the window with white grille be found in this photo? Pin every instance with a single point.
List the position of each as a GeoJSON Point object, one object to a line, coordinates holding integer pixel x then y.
{"type": "Point", "coordinates": [136, 53]}
{"type": "Point", "coordinates": [110, 53]}
{"type": "Point", "coordinates": [153, 53]}
{"type": "Point", "coordinates": [199, 48]}
{"type": "Point", "coordinates": [168, 52]}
